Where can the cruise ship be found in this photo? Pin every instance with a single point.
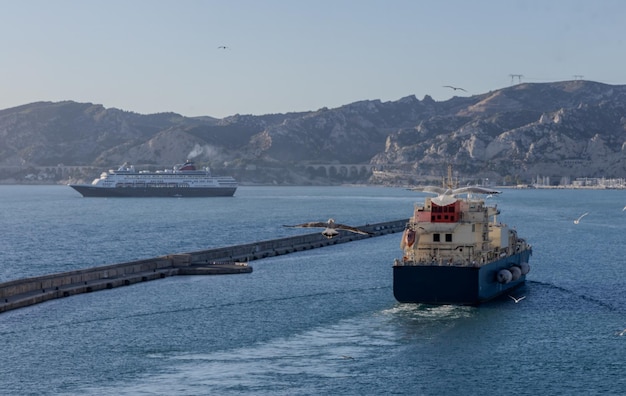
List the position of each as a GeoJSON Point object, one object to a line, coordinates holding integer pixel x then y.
{"type": "Point", "coordinates": [180, 181]}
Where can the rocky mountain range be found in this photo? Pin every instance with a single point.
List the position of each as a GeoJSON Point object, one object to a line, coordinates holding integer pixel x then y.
{"type": "Point", "coordinates": [512, 135]}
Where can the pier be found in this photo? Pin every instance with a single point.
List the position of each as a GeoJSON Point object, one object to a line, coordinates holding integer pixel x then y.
{"type": "Point", "coordinates": [226, 260]}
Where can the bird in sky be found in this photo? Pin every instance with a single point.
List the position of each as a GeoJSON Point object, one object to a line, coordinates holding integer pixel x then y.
{"type": "Point", "coordinates": [330, 228]}
{"type": "Point", "coordinates": [455, 88]}
{"type": "Point", "coordinates": [580, 218]}
{"type": "Point", "coordinates": [222, 47]}
{"type": "Point", "coordinates": [518, 299]}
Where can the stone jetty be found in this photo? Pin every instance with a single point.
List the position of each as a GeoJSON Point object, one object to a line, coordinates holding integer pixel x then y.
{"type": "Point", "coordinates": [226, 260]}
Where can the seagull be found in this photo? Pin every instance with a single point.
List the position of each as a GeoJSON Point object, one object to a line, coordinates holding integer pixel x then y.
{"type": "Point", "coordinates": [621, 333]}
{"type": "Point", "coordinates": [578, 219]}
{"type": "Point", "coordinates": [222, 47]}
{"type": "Point", "coordinates": [330, 228]}
{"type": "Point", "coordinates": [446, 196]}
{"type": "Point", "coordinates": [624, 208]}
{"type": "Point", "coordinates": [518, 299]}
{"type": "Point", "coordinates": [455, 88]}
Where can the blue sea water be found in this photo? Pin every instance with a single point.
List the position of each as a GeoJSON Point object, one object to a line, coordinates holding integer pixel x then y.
{"type": "Point", "coordinates": [322, 321]}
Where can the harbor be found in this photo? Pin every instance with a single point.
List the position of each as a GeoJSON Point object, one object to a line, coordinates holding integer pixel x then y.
{"type": "Point", "coordinates": [220, 261]}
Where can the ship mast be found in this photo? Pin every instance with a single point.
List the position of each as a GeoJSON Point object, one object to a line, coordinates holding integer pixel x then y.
{"type": "Point", "coordinates": [449, 183]}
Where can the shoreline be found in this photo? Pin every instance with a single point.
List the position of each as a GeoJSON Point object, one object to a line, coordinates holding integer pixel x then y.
{"type": "Point", "coordinates": [516, 187]}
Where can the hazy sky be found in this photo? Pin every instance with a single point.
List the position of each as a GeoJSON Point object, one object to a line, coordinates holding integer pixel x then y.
{"type": "Point", "coordinates": [151, 56]}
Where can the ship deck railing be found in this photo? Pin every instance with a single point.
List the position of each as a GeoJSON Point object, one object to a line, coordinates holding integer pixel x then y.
{"type": "Point", "coordinates": [438, 263]}
{"type": "Point", "coordinates": [477, 261]}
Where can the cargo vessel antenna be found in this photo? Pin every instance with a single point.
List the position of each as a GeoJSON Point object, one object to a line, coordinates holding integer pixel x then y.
{"type": "Point", "coordinates": [449, 183]}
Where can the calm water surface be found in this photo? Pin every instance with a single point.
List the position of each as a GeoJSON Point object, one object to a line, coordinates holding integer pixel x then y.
{"type": "Point", "coordinates": [317, 322]}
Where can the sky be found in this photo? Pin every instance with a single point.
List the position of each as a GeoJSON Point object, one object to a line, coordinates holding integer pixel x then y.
{"type": "Point", "coordinates": [152, 56]}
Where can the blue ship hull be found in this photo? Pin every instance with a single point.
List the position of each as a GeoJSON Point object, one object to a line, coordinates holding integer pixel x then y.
{"type": "Point", "coordinates": [458, 285]}
{"type": "Point", "coordinates": [145, 192]}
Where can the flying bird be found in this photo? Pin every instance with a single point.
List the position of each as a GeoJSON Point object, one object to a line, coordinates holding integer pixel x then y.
{"type": "Point", "coordinates": [455, 88]}
{"type": "Point", "coordinates": [624, 208]}
{"type": "Point", "coordinates": [222, 47]}
{"type": "Point", "coordinates": [447, 196]}
{"type": "Point", "coordinates": [518, 299]}
{"type": "Point", "coordinates": [330, 228]}
{"type": "Point", "coordinates": [580, 218]}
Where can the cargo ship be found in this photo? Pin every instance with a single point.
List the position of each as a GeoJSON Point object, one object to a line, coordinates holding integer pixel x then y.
{"type": "Point", "coordinates": [456, 252]}
{"type": "Point", "coordinates": [180, 181]}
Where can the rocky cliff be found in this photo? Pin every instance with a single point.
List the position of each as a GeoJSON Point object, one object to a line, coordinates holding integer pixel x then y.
{"type": "Point", "coordinates": [561, 129]}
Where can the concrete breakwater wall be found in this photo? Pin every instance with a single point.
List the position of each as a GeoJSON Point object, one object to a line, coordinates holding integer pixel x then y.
{"type": "Point", "coordinates": [226, 260]}
{"type": "Point", "coordinates": [275, 247]}
{"type": "Point", "coordinates": [24, 292]}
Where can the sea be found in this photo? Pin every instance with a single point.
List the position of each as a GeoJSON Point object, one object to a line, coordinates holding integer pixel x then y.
{"type": "Point", "coordinates": [317, 322]}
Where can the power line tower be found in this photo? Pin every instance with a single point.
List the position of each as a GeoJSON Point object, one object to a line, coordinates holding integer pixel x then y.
{"type": "Point", "coordinates": [514, 76]}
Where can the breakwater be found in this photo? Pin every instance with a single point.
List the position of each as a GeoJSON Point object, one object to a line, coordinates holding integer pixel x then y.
{"type": "Point", "coordinates": [225, 260]}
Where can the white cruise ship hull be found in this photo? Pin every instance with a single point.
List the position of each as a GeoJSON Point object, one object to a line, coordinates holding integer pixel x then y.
{"type": "Point", "coordinates": [181, 181]}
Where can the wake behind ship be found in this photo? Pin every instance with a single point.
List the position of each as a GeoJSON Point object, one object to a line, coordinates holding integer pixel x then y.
{"type": "Point", "coordinates": [456, 252]}
{"type": "Point", "coordinates": [180, 181]}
